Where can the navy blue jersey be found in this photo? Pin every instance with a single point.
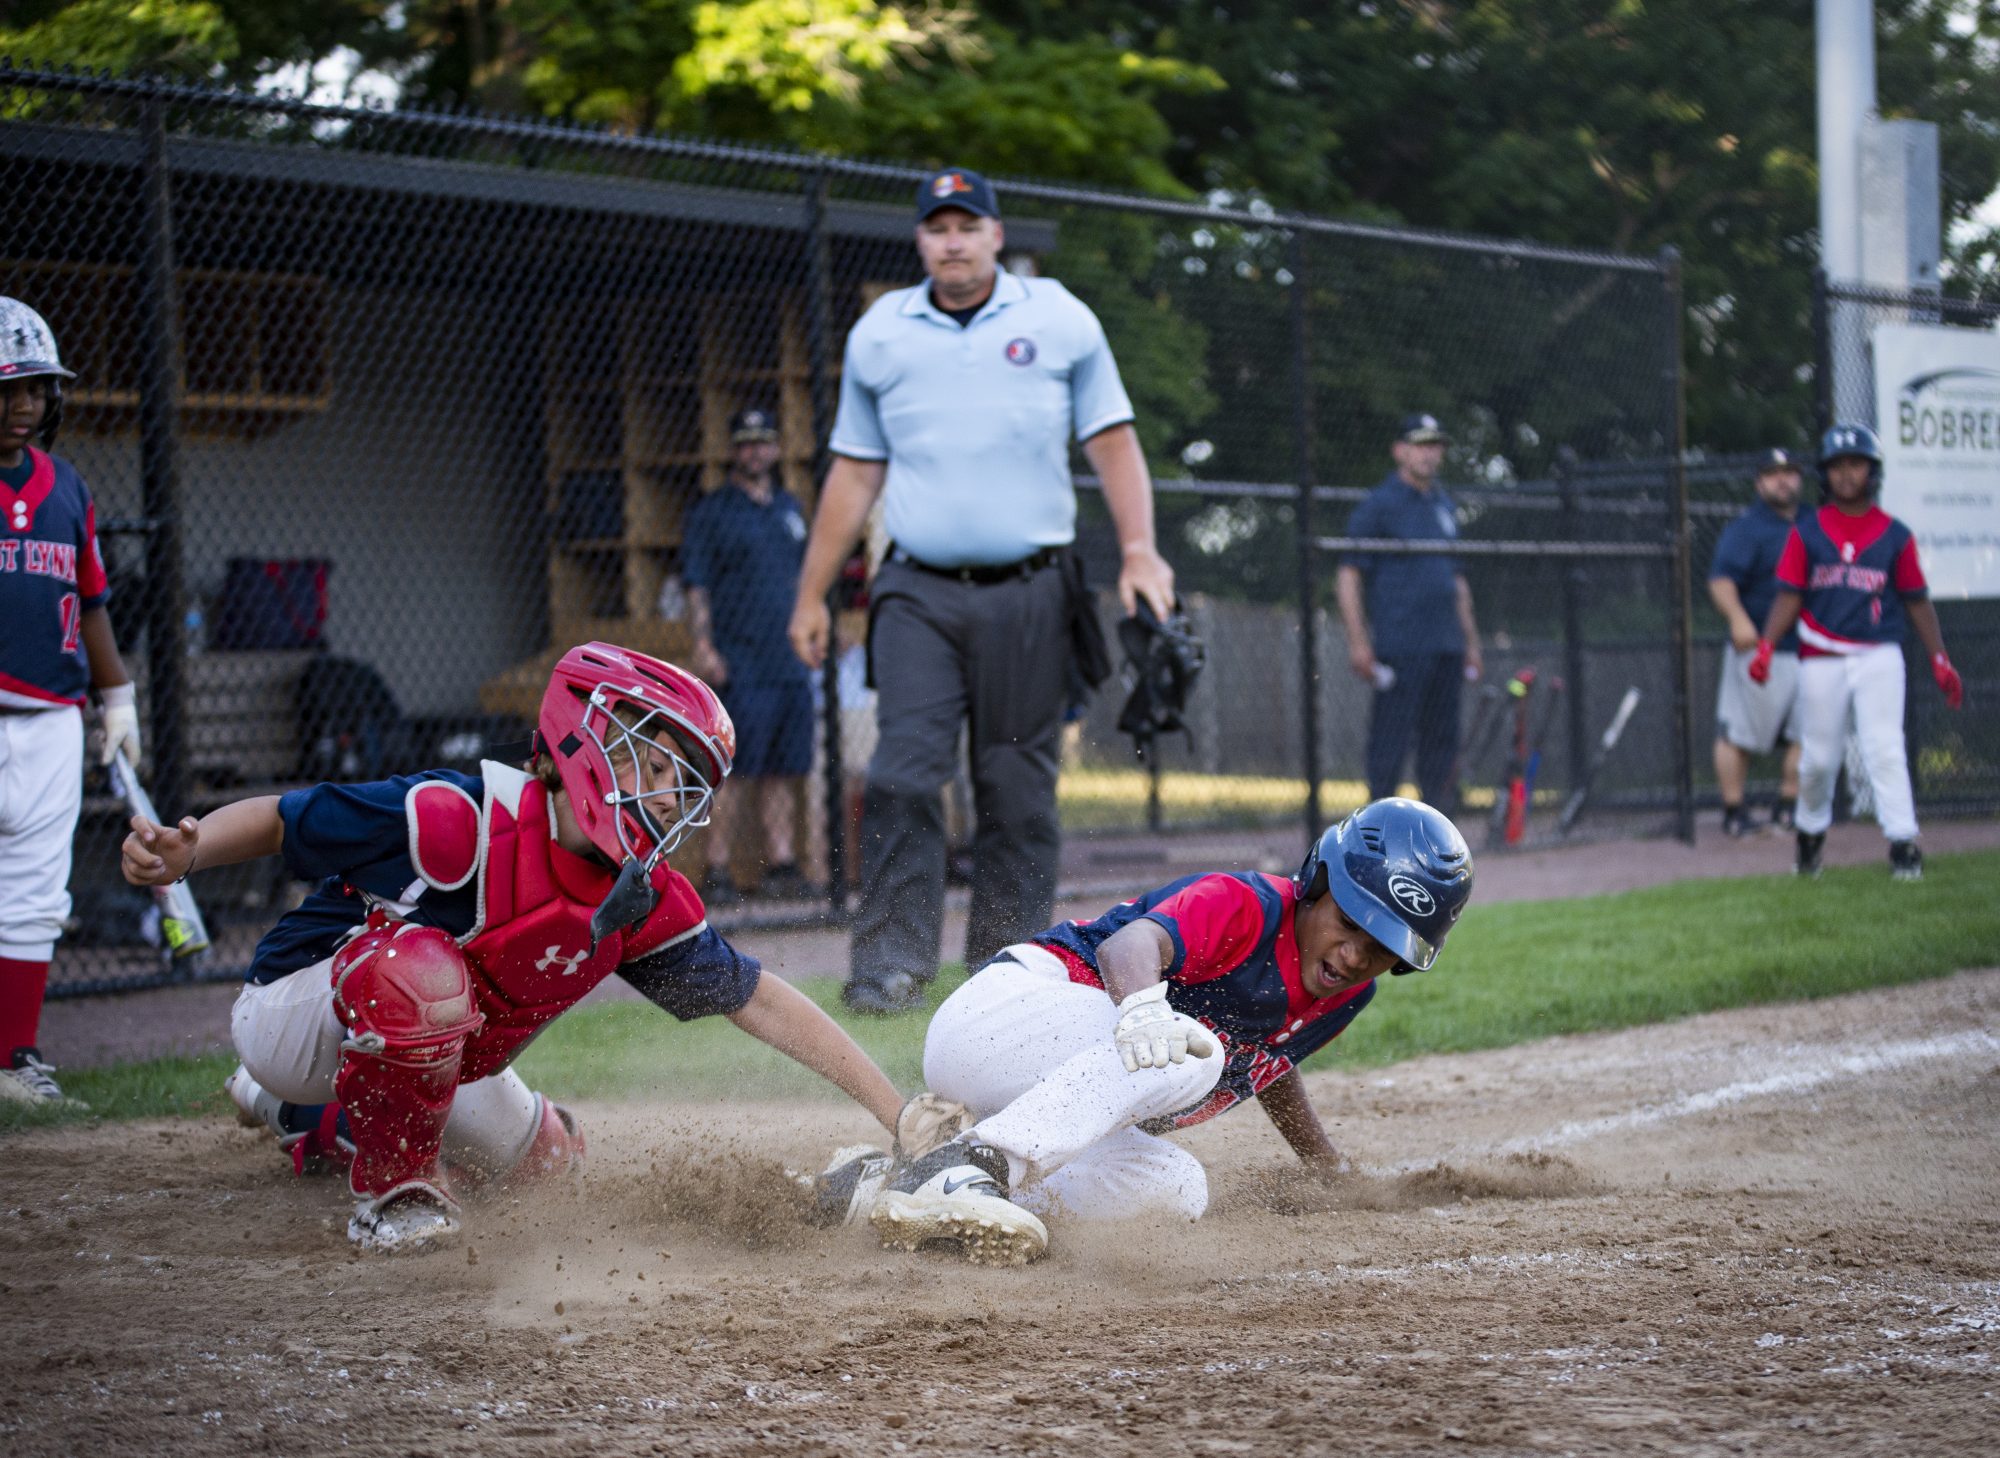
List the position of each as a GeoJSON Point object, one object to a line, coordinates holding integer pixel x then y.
{"type": "Point", "coordinates": [355, 841]}
{"type": "Point", "coordinates": [50, 575]}
{"type": "Point", "coordinates": [1412, 601]}
{"type": "Point", "coordinates": [1854, 573]}
{"type": "Point", "coordinates": [1235, 968]}
{"type": "Point", "coordinates": [1746, 554]}
{"type": "Point", "coordinates": [746, 557]}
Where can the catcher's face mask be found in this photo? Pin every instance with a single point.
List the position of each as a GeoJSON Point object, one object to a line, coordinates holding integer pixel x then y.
{"type": "Point", "coordinates": [1163, 660]}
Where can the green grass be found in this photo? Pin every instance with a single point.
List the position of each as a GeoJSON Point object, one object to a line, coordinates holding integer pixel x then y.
{"type": "Point", "coordinates": [1512, 973]}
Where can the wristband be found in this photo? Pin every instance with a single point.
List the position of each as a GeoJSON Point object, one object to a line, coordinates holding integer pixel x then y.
{"type": "Point", "coordinates": [117, 696]}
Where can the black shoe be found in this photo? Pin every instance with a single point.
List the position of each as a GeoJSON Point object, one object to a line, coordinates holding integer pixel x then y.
{"type": "Point", "coordinates": [1735, 824]}
{"type": "Point", "coordinates": [844, 1192]}
{"type": "Point", "coordinates": [1810, 846]}
{"type": "Point", "coordinates": [895, 993]}
{"type": "Point", "coordinates": [1781, 815]}
{"type": "Point", "coordinates": [958, 1193]}
{"type": "Point", "coordinates": [1906, 862]}
{"type": "Point", "coordinates": [717, 889]}
{"type": "Point", "coordinates": [785, 882]}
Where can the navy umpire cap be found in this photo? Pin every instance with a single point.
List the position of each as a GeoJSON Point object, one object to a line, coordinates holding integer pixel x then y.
{"type": "Point", "coordinates": [1401, 872]}
{"type": "Point", "coordinates": [1421, 430]}
{"type": "Point", "coordinates": [1777, 458]}
{"type": "Point", "coordinates": [956, 188]}
{"type": "Point", "coordinates": [752, 424]}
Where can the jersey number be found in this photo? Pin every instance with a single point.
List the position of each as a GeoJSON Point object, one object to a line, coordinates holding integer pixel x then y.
{"type": "Point", "coordinates": [72, 620]}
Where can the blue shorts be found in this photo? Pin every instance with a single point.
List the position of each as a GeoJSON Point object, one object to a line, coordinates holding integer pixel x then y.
{"type": "Point", "coordinates": [774, 727]}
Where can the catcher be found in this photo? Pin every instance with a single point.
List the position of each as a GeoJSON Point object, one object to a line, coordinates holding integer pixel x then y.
{"type": "Point", "coordinates": [1072, 1053]}
{"type": "Point", "coordinates": [457, 915]}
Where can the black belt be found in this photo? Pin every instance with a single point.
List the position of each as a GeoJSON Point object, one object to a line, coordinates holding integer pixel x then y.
{"type": "Point", "coordinates": [984, 576]}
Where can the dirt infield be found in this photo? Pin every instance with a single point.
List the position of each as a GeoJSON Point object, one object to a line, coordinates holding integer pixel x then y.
{"type": "Point", "coordinates": [1778, 1227]}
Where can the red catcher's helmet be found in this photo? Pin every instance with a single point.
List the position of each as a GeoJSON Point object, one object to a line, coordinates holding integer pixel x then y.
{"type": "Point", "coordinates": [604, 707]}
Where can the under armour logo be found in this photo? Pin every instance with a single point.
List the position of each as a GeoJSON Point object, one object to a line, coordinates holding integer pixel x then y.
{"type": "Point", "coordinates": [554, 957]}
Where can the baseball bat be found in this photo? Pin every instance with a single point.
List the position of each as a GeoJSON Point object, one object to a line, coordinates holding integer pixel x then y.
{"type": "Point", "coordinates": [180, 919]}
{"type": "Point", "coordinates": [1605, 745]}
{"type": "Point", "coordinates": [1509, 798]}
{"type": "Point", "coordinates": [1478, 734]}
{"type": "Point", "coordinates": [1551, 697]}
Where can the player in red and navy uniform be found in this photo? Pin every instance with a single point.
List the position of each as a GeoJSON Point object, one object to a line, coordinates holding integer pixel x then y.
{"type": "Point", "coordinates": [1072, 1053]}
{"type": "Point", "coordinates": [1848, 577]}
{"type": "Point", "coordinates": [457, 915]}
{"type": "Point", "coordinates": [57, 645]}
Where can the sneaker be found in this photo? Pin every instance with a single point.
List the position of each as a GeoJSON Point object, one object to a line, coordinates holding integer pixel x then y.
{"type": "Point", "coordinates": [1906, 862]}
{"type": "Point", "coordinates": [958, 1193]}
{"type": "Point", "coordinates": [28, 1080]}
{"type": "Point", "coordinates": [717, 889]}
{"type": "Point", "coordinates": [844, 1192]}
{"type": "Point", "coordinates": [898, 992]}
{"type": "Point", "coordinates": [411, 1219]}
{"type": "Point", "coordinates": [1735, 824]}
{"type": "Point", "coordinates": [1810, 846]}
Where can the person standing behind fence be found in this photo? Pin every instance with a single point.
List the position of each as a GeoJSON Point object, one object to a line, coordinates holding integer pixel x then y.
{"type": "Point", "coordinates": [958, 402]}
{"type": "Point", "coordinates": [1742, 582]}
{"type": "Point", "coordinates": [1415, 638]}
{"type": "Point", "coordinates": [741, 550]}
{"type": "Point", "coordinates": [1848, 578]}
{"type": "Point", "coordinates": [57, 644]}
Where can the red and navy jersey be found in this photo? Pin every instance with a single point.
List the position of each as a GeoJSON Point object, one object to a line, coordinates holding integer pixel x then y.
{"type": "Point", "coordinates": [50, 575]}
{"type": "Point", "coordinates": [1235, 968]}
{"type": "Point", "coordinates": [1855, 573]}
{"type": "Point", "coordinates": [355, 841]}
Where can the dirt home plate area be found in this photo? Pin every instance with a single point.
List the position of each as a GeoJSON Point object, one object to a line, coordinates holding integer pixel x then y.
{"type": "Point", "coordinates": [1775, 1230]}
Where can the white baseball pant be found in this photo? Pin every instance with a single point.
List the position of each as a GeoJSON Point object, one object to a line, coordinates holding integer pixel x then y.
{"type": "Point", "coordinates": [1030, 1053]}
{"type": "Point", "coordinates": [1871, 685]}
{"type": "Point", "coordinates": [41, 791]}
{"type": "Point", "coordinates": [288, 1036]}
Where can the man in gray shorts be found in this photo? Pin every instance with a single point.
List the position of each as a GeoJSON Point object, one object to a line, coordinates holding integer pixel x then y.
{"type": "Point", "coordinates": [1742, 582]}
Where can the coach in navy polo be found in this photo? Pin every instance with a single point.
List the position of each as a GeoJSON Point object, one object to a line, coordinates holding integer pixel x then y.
{"type": "Point", "coordinates": [1415, 639]}
{"type": "Point", "coordinates": [959, 399]}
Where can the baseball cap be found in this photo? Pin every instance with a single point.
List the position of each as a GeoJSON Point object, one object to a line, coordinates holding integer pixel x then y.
{"type": "Point", "coordinates": [1777, 458]}
{"type": "Point", "coordinates": [1420, 430]}
{"type": "Point", "coordinates": [751, 424]}
{"type": "Point", "coordinates": [956, 188]}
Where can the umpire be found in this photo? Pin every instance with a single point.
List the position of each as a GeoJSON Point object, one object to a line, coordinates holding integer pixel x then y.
{"type": "Point", "coordinates": [958, 401]}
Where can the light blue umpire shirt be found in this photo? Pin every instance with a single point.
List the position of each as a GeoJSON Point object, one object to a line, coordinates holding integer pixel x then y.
{"type": "Point", "coordinates": [976, 422]}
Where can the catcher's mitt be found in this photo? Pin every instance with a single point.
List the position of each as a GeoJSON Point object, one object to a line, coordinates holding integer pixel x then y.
{"type": "Point", "coordinates": [927, 1121]}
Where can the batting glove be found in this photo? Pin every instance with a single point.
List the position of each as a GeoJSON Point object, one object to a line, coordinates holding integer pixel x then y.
{"type": "Point", "coordinates": [121, 723]}
{"type": "Point", "coordinates": [1948, 681]}
{"type": "Point", "coordinates": [1150, 1034]}
{"type": "Point", "coordinates": [1760, 661]}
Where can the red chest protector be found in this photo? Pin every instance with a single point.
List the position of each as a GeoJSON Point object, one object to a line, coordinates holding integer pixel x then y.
{"type": "Point", "coordinates": [529, 947]}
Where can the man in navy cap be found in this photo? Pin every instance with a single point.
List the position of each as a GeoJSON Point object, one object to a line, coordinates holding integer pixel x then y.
{"type": "Point", "coordinates": [959, 400]}
{"type": "Point", "coordinates": [1410, 629]}
{"type": "Point", "coordinates": [1750, 718]}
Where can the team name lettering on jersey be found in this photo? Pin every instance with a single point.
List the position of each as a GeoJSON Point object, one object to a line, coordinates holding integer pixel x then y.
{"type": "Point", "coordinates": [1847, 574]}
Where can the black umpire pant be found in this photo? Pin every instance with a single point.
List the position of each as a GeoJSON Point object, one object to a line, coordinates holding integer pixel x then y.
{"type": "Point", "coordinates": [1422, 704]}
{"type": "Point", "coordinates": [945, 652]}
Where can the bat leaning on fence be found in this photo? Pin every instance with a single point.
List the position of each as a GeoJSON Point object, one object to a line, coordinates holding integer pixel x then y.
{"type": "Point", "coordinates": [181, 926]}
{"type": "Point", "coordinates": [1513, 789]}
{"type": "Point", "coordinates": [1517, 811]}
{"type": "Point", "coordinates": [1605, 745]}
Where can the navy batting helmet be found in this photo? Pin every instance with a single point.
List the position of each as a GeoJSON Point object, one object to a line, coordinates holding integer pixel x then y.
{"type": "Point", "coordinates": [1401, 872]}
{"type": "Point", "coordinates": [1850, 439]}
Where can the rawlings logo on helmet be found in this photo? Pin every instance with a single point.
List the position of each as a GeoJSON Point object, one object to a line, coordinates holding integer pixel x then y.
{"type": "Point", "coordinates": [1412, 895]}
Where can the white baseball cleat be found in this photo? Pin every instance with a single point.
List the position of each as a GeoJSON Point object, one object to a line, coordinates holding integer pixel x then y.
{"type": "Point", "coordinates": [958, 1193]}
{"type": "Point", "coordinates": [411, 1219]}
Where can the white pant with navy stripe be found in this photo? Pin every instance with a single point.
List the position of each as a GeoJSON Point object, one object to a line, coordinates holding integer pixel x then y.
{"type": "Point", "coordinates": [41, 791]}
{"type": "Point", "coordinates": [1030, 1053]}
{"type": "Point", "coordinates": [1870, 687]}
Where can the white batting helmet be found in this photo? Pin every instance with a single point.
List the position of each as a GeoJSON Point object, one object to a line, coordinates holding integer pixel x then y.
{"type": "Point", "coordinates": [28, 351]}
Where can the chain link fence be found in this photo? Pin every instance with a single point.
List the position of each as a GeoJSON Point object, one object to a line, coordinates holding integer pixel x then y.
{"type": "Point", "coordinates": [1954, 757]}
{"type": "Point", "coordinates": [384, 410]}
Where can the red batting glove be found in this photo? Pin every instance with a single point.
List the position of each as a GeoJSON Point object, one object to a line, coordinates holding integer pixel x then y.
{"type": "Point", "coordinates": [1948, 681]}
{"type": "Point", "coordinates": [1760, 661]}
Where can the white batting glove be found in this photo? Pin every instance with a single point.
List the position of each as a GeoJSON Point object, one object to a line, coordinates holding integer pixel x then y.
{"type": "Point", "coordinates": [1150, 1034]}
{"type": "Point", "coordinates": [121, 723]}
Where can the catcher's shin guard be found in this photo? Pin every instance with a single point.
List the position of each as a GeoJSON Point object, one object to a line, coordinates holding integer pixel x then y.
{"type": "Point", "coordinates": [405, 996]}
{"type": "Point", "coordinates": [494, 1151]}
